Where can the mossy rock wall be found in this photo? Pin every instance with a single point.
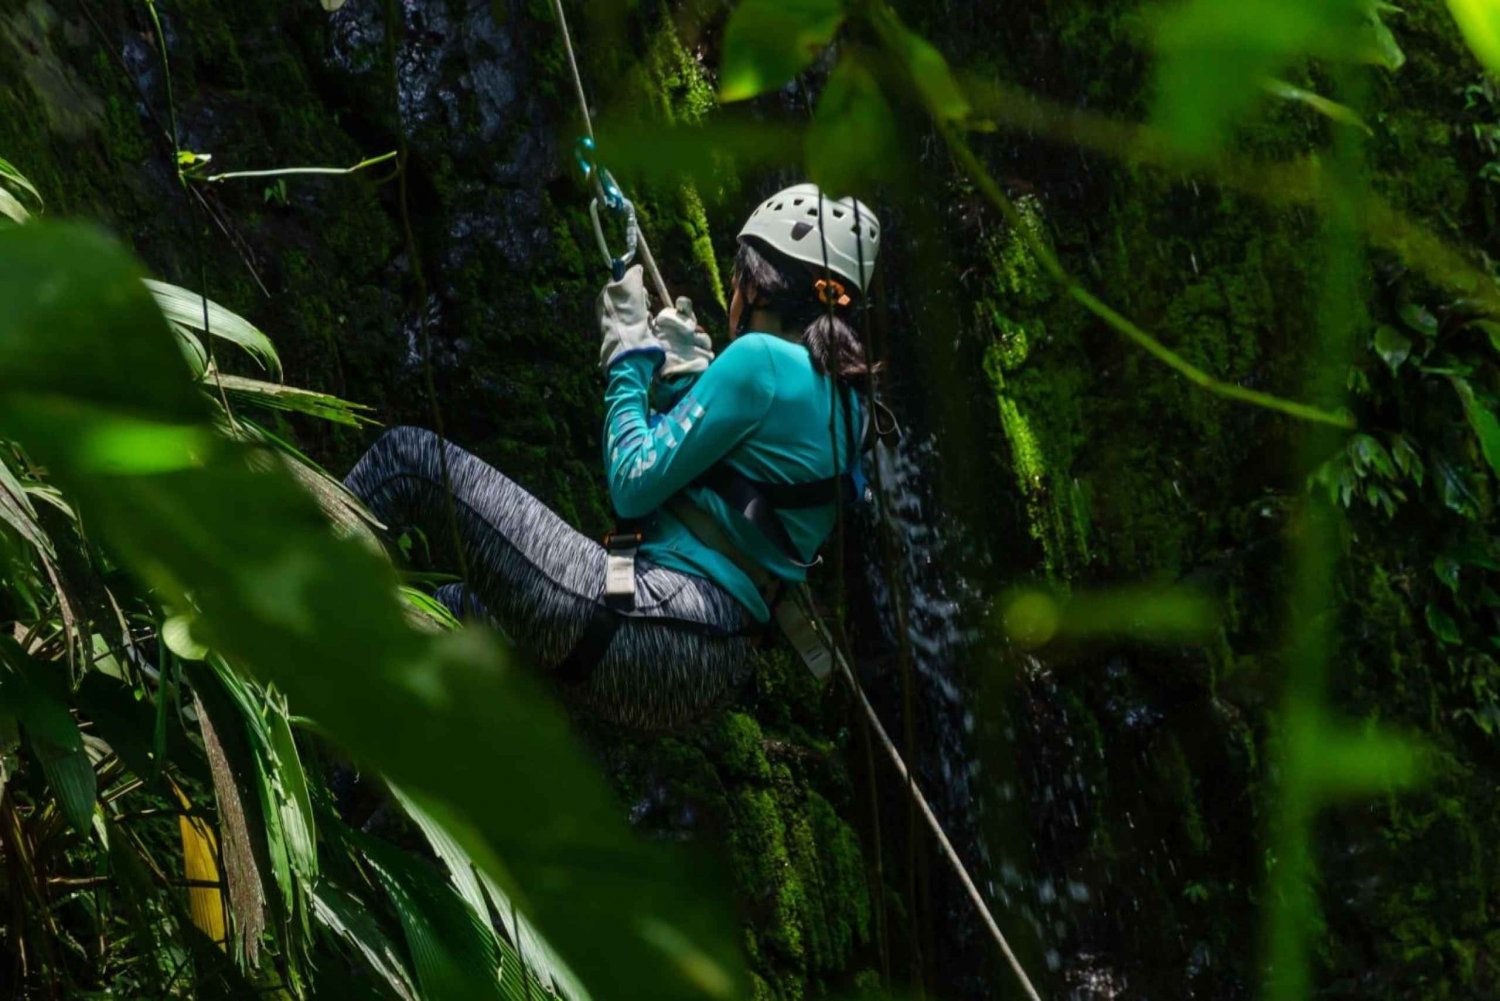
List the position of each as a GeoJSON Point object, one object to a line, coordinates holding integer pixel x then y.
{"type": "Point", "coordinates": [1140, 773]}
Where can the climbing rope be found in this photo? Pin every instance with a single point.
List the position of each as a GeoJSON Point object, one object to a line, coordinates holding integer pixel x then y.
{"type": "Point", "coordinates": [607, 193]}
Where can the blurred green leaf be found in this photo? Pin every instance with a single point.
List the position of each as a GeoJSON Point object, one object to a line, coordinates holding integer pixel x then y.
{"type": "Point", "coordinates": [1382, 49]}
{"type": "Point", "coordinates": [1332, 110]}
{"type": "Point", "coordinates": [447, 716]}
{"type": "Point", "coordinates": [1362, 762]}
{"type": "Point", "coordinates": [852, 141]}
{"type": "Point", "coordinates": [768, 42]}
{"type": "Point", "coordinates": [1393, 346]}
{"type": "Point", "coordinates": [1486, 426]}
{"type": "Point", "coordinates": [654, 150]}
{"type": "Point", "coordinates": [1479, 20]}
{"type": "Point", "coordinates": [934, 79]}
{"type": "Point", "coordinates": [1214, 56]}
{"type": "Point", "coordinates": [1169, 614]}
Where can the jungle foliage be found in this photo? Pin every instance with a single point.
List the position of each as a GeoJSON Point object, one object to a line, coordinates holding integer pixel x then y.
{"type": "Point", "coordinates": [201, 627]}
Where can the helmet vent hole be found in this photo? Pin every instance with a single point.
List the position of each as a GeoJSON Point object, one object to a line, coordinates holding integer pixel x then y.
{"type": "Point", "coordinates": [801, 229]}
{"type": "Point", "coordinates": [838, 213]}
{"type": "Point", "coordinates": [796, 201]}
{"type": "Point", "coordinates": [813, 211]}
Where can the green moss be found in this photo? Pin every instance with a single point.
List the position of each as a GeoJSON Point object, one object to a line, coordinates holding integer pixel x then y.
{"type": "Point", "coordinates": [740, 744]}
{"type": "Point", "coordinates": [1017, 286]}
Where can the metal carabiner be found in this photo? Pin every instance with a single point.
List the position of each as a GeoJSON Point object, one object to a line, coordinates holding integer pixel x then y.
{"type": "Point", "coordinates": [614, 199]}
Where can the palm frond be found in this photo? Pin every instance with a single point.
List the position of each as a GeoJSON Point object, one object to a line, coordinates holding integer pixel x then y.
{"type": "Point", "coordinates": [277, 396]}
{"type": "Point", "coordinates": [199, 313]}
{"type": "Point", "coordinates": [489, 902]}
{"type": "Point", "coordinates": [348, 917]}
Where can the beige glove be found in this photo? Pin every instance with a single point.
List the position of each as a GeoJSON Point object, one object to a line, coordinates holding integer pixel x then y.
{"type": "Point", "coordinates": [624, 320]}
{"type": "Point", "coordinates": [689, 349]}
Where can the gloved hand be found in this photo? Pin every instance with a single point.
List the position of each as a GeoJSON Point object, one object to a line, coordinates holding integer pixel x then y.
{"type": "Point", "coordinates": [624, 320]}
{"type": "Point", "coordinates": [689, 349]}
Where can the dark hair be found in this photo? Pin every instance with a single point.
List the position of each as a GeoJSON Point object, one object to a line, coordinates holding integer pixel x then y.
{"type": "Point", "coordinates": [787, 288]}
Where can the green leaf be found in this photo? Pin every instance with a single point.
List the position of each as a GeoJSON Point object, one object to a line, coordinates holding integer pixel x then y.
{"type": "Point", "coordinates": [12, 177]}
{"type": "Point", "coordinates": [177, 634]}
{"type": "Point", "coordinates": [293, 800]}
{"type": "Point", "coordinates": [17, 511]}
{"type": "Point", "coordinates": [934, 79]}
{"type": "Point", "coordinates": [12, 180]}
{"type": "Point", "coordinates": [1370, 456]}
{"type": "Point", "coordinates": [1214, 56]}
{"type": "Point", "coordinates": [349, 918]}
{"type": "Point", "coordinates": [1486, 426]}
{"type": "Point", "coordinates": [12, 209]}
{"type": "Point", "coordinates": [1407, 459]}
{"type": "Point", "coordinates": [35, 694]}
{"type": "Point", "coordinates": [453, 952]}
{"type": "Point", "coordinates": [1332, 110]}
{"type": "Point", "coordinates": [187, 308]}
{"type": "Point", "coordinates": [1446, 568]}
{"type": "Point", "coordinates": [479, 891]}
{"type": "Point", "coordinates": [1419, 319]}
{"type": "Point", "coordinates": [1393, 346]}
{"type": "Point", "coordinates": [1382, 49]}
{"type": "Point", "coordinates": [768, 42]}
{"type": "Point", "coordinates": [449, 716]}
{"type": "Point", "coordinates": [1443, 626]}
{"type": "Point", "coordinates": [1479, 20]}
{"type": "Point", "coordinates": [276, 396]}
{"type": "Point", "coordinates": [852, 140]}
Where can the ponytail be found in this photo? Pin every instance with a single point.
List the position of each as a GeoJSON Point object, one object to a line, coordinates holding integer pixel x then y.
{"type": "Point", "coordinates": [822, 308]}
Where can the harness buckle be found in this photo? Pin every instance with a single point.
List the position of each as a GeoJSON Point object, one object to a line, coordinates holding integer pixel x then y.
{"type": "Point", "coordinates": [619, 568]}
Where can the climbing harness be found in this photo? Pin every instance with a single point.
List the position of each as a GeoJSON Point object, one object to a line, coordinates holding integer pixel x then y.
{"type": "Point", "coordinates": [794, 611]}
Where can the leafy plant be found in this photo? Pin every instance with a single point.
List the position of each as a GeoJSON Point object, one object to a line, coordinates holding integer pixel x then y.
{"type": "Point", "coordinates": [233, 566]}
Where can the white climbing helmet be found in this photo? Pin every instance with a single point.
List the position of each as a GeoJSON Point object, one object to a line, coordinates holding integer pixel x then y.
{"type": "Point", "coordinates": [805, 225]}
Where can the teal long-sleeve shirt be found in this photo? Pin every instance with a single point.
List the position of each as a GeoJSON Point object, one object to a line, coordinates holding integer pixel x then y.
{"type": "Point", "coordinates": [761, 407]}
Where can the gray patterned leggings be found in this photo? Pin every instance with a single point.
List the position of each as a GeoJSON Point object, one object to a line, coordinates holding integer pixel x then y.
{"type": "Point", "coordinates": [685, 648]}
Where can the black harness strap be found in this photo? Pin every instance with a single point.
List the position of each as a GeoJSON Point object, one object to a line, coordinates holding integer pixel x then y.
{"type": "Point", "coordinates": [589, 650]}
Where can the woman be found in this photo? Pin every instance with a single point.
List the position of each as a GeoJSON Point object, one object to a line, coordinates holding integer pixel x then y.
{"type": "Point", "coordinates": [723, 468]}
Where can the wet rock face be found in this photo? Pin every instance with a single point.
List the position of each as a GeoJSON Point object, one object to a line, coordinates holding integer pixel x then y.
{"type": "Point", "coordinates": [459, 74]}
{"type": "Point", "coordinates": [467, 111]}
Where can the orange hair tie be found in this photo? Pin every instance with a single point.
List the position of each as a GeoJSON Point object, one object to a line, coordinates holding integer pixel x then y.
{"type": "Point", "coordinates": [831, 293]}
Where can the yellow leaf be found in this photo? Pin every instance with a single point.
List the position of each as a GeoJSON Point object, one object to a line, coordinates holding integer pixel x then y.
{"type": "Point", "coordinates": [1479, 20]}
